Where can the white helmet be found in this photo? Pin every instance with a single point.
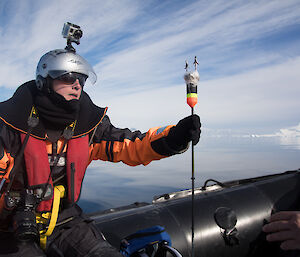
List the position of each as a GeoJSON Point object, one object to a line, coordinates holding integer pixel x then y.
{"type": "Point", "coordinates": [59, 62]}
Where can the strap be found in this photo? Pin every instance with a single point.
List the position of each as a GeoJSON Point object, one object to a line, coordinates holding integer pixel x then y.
{"type": "Point", "coordinates": [91, 139]}
{"type": "Point", "coordinates": [32, 122]}
{"type": "Point", "coordinates": [59, 192]}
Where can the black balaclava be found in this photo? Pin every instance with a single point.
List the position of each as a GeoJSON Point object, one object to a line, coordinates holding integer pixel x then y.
{"type": "Point", "coordinates": [54, 110]}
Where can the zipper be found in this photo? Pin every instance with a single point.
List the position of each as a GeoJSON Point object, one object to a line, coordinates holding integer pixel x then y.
{"type": "Point", "coordinates": [72, 182]}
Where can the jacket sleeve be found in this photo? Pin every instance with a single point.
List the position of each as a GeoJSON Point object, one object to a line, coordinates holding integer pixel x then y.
{"type": "Point", "coordinates": [6, 161]}
{"type": "Point", "coordinates": [131, 147]}
{"type": "Point", "coordinates": [7, 146]}
{"type": "Point", "coordinates": [6, 164]}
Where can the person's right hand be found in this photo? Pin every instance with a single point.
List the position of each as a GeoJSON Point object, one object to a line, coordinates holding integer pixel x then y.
{"type": "Point", "coordinates": [186, 130]}
{"type": "Point", "coordinates": [284, 226]}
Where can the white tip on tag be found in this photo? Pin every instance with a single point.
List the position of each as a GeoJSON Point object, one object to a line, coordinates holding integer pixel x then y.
{"type": "Point", "coordinates": [192, 77]}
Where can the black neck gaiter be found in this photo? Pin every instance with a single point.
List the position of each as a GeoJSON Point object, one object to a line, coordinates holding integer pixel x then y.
{"type": "Point", "coordinates": [55, 111]}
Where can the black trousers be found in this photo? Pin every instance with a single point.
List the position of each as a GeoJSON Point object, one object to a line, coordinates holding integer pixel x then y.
{"type": "Point", "coordinates": [76, 238]}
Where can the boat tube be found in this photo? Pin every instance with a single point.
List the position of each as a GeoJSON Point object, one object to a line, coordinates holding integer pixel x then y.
{"type": "Point", "coordinates": [228, 216]}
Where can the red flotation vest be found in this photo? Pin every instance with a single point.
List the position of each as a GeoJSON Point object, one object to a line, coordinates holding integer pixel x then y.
{"type": "Point", "coordinates": [38, 168]}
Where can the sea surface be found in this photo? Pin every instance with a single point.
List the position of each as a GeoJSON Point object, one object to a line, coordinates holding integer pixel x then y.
{"type": "Point", "coordinates": [108, 185]}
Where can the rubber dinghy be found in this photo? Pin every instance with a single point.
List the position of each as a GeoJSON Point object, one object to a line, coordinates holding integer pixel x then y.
{"type": "Point", "coordinates": [228, 216]}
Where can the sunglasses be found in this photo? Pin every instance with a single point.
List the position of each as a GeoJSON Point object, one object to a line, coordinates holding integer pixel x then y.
{"type": "Point", "coordinates": [70, 78]}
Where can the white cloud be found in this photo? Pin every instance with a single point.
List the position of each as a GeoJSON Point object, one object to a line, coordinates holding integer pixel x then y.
{"type": "Point", "coordinates": [259, 98]}
{"type": "Point", "coordinates": [139, 50]}
{"type": "Point", "coordinates": [214, 32]}
{"type": "Point", "coordinates": [24, 41]}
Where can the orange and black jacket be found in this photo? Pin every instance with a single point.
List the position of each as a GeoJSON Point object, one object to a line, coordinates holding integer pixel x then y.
{"type": "Point", "coordinates": [99, 140]}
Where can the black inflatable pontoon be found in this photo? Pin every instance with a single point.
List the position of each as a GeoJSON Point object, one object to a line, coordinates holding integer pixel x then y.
{"type": "Point", "coordinates": [228, 216]}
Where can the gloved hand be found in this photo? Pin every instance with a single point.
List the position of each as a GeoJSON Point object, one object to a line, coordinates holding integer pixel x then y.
{"type": "Point", "coordinates": [186, 130]}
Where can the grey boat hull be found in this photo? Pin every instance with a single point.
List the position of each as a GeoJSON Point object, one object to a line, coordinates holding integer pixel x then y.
{"type": "Point", "coordinates": [251, 201]}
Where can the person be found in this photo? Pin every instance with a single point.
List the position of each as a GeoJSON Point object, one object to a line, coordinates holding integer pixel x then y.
{"type": "Point", "coordinates": [50, 131]}
{"type": "Point", "coordinates": [284, 227]}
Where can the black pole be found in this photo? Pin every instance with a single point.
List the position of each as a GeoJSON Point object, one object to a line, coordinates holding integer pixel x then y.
{"type": "Point", "coordinates": [193, 194]}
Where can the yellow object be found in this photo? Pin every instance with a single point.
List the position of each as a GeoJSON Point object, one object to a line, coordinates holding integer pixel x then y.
{"type": "Point", "coordinates": [59, 192]}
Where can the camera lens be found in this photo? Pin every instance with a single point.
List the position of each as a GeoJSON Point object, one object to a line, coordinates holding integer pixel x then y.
{"type": "Point", "coordinates": [78, 34]}
{"type": "Point", "coordinates": [25, 226]}
{"type": "Point", "coordinates": [24, 220]}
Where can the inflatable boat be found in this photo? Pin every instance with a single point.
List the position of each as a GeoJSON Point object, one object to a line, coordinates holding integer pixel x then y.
{"type": "Point", "coordinates": [228, 216]}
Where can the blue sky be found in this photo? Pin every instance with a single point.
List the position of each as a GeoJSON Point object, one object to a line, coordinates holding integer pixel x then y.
{"type": "Point", "coordinates": [248, 52]}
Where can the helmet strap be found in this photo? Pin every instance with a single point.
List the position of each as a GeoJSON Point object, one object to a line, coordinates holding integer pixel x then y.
{"type": "Point", "coordinates": [44, 84]}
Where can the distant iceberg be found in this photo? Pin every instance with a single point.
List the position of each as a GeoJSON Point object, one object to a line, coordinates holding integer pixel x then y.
{"type": "Point", "coordinates": [287, 136]}
{"type": "Point", "coordinates": [291, 131]}
{"type": "Point", "coordinates": [285, 132]}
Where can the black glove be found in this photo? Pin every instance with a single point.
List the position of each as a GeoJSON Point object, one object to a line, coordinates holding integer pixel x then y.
{"type": "Point", "coordinates": [186, 130]}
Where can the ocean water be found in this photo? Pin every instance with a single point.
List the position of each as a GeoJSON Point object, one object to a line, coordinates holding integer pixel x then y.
{"type": "Point", "coordinates": [107, 185]}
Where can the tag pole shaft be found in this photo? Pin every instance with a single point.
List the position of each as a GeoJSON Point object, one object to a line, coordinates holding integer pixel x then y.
{"type": "Point", "coordinates": [193, 194]}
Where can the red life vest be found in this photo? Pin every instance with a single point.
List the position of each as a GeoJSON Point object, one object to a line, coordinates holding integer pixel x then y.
{"type": "Point", "coordinates": [38, 168]}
